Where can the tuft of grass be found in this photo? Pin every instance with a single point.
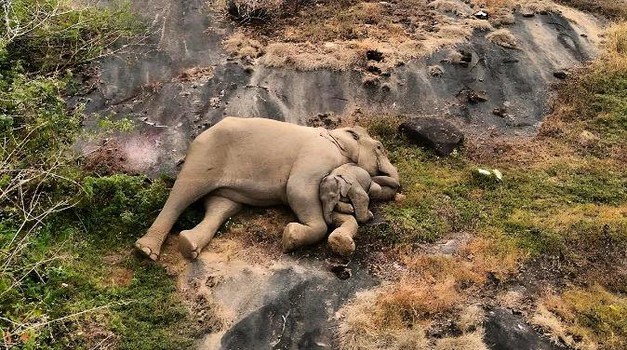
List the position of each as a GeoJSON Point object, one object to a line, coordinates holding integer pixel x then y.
{"type": "Point", "coordinates": [469, 341]}
{"type": "Point", "coordinates": [337, 34]}
{"type": "Point", "coordinates": [585, 318]}
{"type": "Point", "coordinates": [596, 101]}
{"type": "Point", "coordinates": [453, 6]}
{"type": "Point", "coordinates": [503, 37]}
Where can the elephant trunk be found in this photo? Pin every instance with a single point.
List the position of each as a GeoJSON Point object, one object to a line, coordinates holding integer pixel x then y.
{"type": "Point", "coordinates": [386, 168]}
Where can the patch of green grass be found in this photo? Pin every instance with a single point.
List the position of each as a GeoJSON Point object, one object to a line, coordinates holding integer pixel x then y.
{"type": "Point", "coordinates": [71, 274]}
{"type": "Point", "coordinates": [593, 314]}
{"type": "Point", "coordinates": [443, 197]}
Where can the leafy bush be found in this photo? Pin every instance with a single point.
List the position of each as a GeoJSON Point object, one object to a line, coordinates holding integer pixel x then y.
{"type": "Point", "coordinates": [45, 36]}
{"type": "Point", "coordinates": [56, 223]}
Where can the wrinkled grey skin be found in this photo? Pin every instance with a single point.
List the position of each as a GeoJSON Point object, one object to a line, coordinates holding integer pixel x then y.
{"type": "Point", "coordinates": [350, 183]}
{"type": "Point", "coordinates": [262, 162]}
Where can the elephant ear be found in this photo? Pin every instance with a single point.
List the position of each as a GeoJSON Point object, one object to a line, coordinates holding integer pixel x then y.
{"type": "Point", "coordinates": [344, 185]}
{"type": "Point", "coordinates": [329, 196]}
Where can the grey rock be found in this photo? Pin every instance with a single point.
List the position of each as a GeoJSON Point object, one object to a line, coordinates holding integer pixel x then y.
{"type": "Point", "coordinates": [506, 331]}
{"type": "Point", "coordinates": [437, 134]}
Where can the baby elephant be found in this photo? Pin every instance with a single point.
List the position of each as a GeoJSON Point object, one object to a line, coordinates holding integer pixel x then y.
{"type": "Point", "coordinates": [351, 183]}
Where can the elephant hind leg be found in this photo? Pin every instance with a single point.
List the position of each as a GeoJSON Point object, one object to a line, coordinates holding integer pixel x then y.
{"type": "Point", "coordinates": [182, 195]}
{"type": "Point", "coordinates": [217, 211]}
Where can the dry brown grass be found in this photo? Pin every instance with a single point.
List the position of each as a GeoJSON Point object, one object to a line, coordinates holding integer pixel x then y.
{"type": "Point", "coordinates": [468, 341]}
{"type": "Point", "coordinates": [430, 288]}
{"type": "Point", "coordinates": [503, 37]}
{"type": "Point", "coordinates": [241, 46]}
{"type": "Point", "coordinates": [613, 9]}
{"type": "Point", "coordinates": [336, 34]}
{"type": "Point", "coordinates": [471, 318]}
{"type": "Point", "coordinates": [359, 331]}
{"type": "Point", "coordinates": [396, 317]}
{"type": "Point", "coordinates": [454, 6]}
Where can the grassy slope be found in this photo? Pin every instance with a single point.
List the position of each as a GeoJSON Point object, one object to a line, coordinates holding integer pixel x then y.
{"type": "Point", "coordinates": [556, 224]}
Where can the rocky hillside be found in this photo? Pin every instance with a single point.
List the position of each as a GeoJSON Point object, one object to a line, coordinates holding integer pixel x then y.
{"type": "Point", "coordinates": [513, 229]}
{"type": "Point", "coordinates": [490, 76]}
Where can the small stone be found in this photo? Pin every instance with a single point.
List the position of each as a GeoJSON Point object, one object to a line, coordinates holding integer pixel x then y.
{"type": "Point", "coordinates": [477, 96]}
{"type": "Point", "coordinates": [341, 271]}
{"type": "Point", "coordinates": [484, 172]}
{"type": "Point", "coordinates": [374, 55]}
{"type": "Point", "coordinates": [399, 197]}
{"type": "Point", "coordinates": [527, 12]}
{"type": "Point", "coordinates": [497, 173]}
{"type": "Point", "coordinates": [374, 70]}
{"type": "Point", "coordinates": [500, 112]}
{"type": "Point", "coordinates": [466, 56]}
{"type": "Point", "coordinates": [435, 71]}
{"type": "Point", "coordinates": [437, 134]}
{"type": "Point", "coordinates": [560, 75]}
{"type": "Point", "coordinates": [371, 81]}
{"type": "Point", "coordinates": [587, 139]}
{"type": "Point", "coordinates": [481, 15]}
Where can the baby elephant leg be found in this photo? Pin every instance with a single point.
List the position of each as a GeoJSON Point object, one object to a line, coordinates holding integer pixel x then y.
{"type": "Point", "coordinates": [217, 211]}
{"type": "Point", "coordinates": [347, 208]}
{"type": "Point", "coordinates": [341, 239]}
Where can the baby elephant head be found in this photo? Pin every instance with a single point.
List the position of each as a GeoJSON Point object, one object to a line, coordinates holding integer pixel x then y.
{"type": "Point", "coordinates": [332, 189]}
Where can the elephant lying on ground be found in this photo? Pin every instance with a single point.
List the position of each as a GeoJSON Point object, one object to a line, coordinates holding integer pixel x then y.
{"type": "Point", "coordinates": [350, 183]}
{"type": "Point", "coordinates": [262, 162]}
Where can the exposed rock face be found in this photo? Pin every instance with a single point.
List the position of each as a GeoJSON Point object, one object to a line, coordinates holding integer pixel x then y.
{"type": "Point", "coordinates": [437, 134]}
{"type": "Point", "coordinates": [172, 107]}
{"type": "Point", "coordinates": [285, 303]}
{"type": "Point", "coordinates": [506, 331]}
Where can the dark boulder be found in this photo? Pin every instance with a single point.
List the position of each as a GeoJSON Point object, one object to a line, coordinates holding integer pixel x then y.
{"type": "Point", "coordinates": [434, 133]}
{"type": "Point", "coordinates": [506, 331]}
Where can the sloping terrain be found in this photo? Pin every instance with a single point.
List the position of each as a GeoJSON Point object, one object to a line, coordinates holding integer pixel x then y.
{"type": "Point", "coordinates": [188, 81]}
{"type": "Point", "coordinates": [453, 267]}
{"type": "Point", "coordinates": [533, 258]}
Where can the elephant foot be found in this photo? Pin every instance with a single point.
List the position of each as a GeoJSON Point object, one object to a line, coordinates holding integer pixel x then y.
{"type": "Point", "coordinates": [341, 243]}
{"type": "Point", "coordinates": [364, 219]}
{"type": "Point", "coordinates": [298, 235]}
{"type": "Point", "coordinates": [188, 245]}
{"type": "Point", "coordinates": [148, 247]}
{"type": "Point", "coordinates": [291, 238]}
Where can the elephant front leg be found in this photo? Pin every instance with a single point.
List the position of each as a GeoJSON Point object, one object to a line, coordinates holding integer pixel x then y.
{"type": "Point", "coordinates": [217, 211]}
{"type": "Point", "coordinates": [303, 198]}
{"type": "Point", "coordinates": [341, 240]}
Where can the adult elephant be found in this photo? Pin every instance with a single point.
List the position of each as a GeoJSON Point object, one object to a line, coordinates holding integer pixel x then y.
{"type": "Point", "coordinates": [262, 162]}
